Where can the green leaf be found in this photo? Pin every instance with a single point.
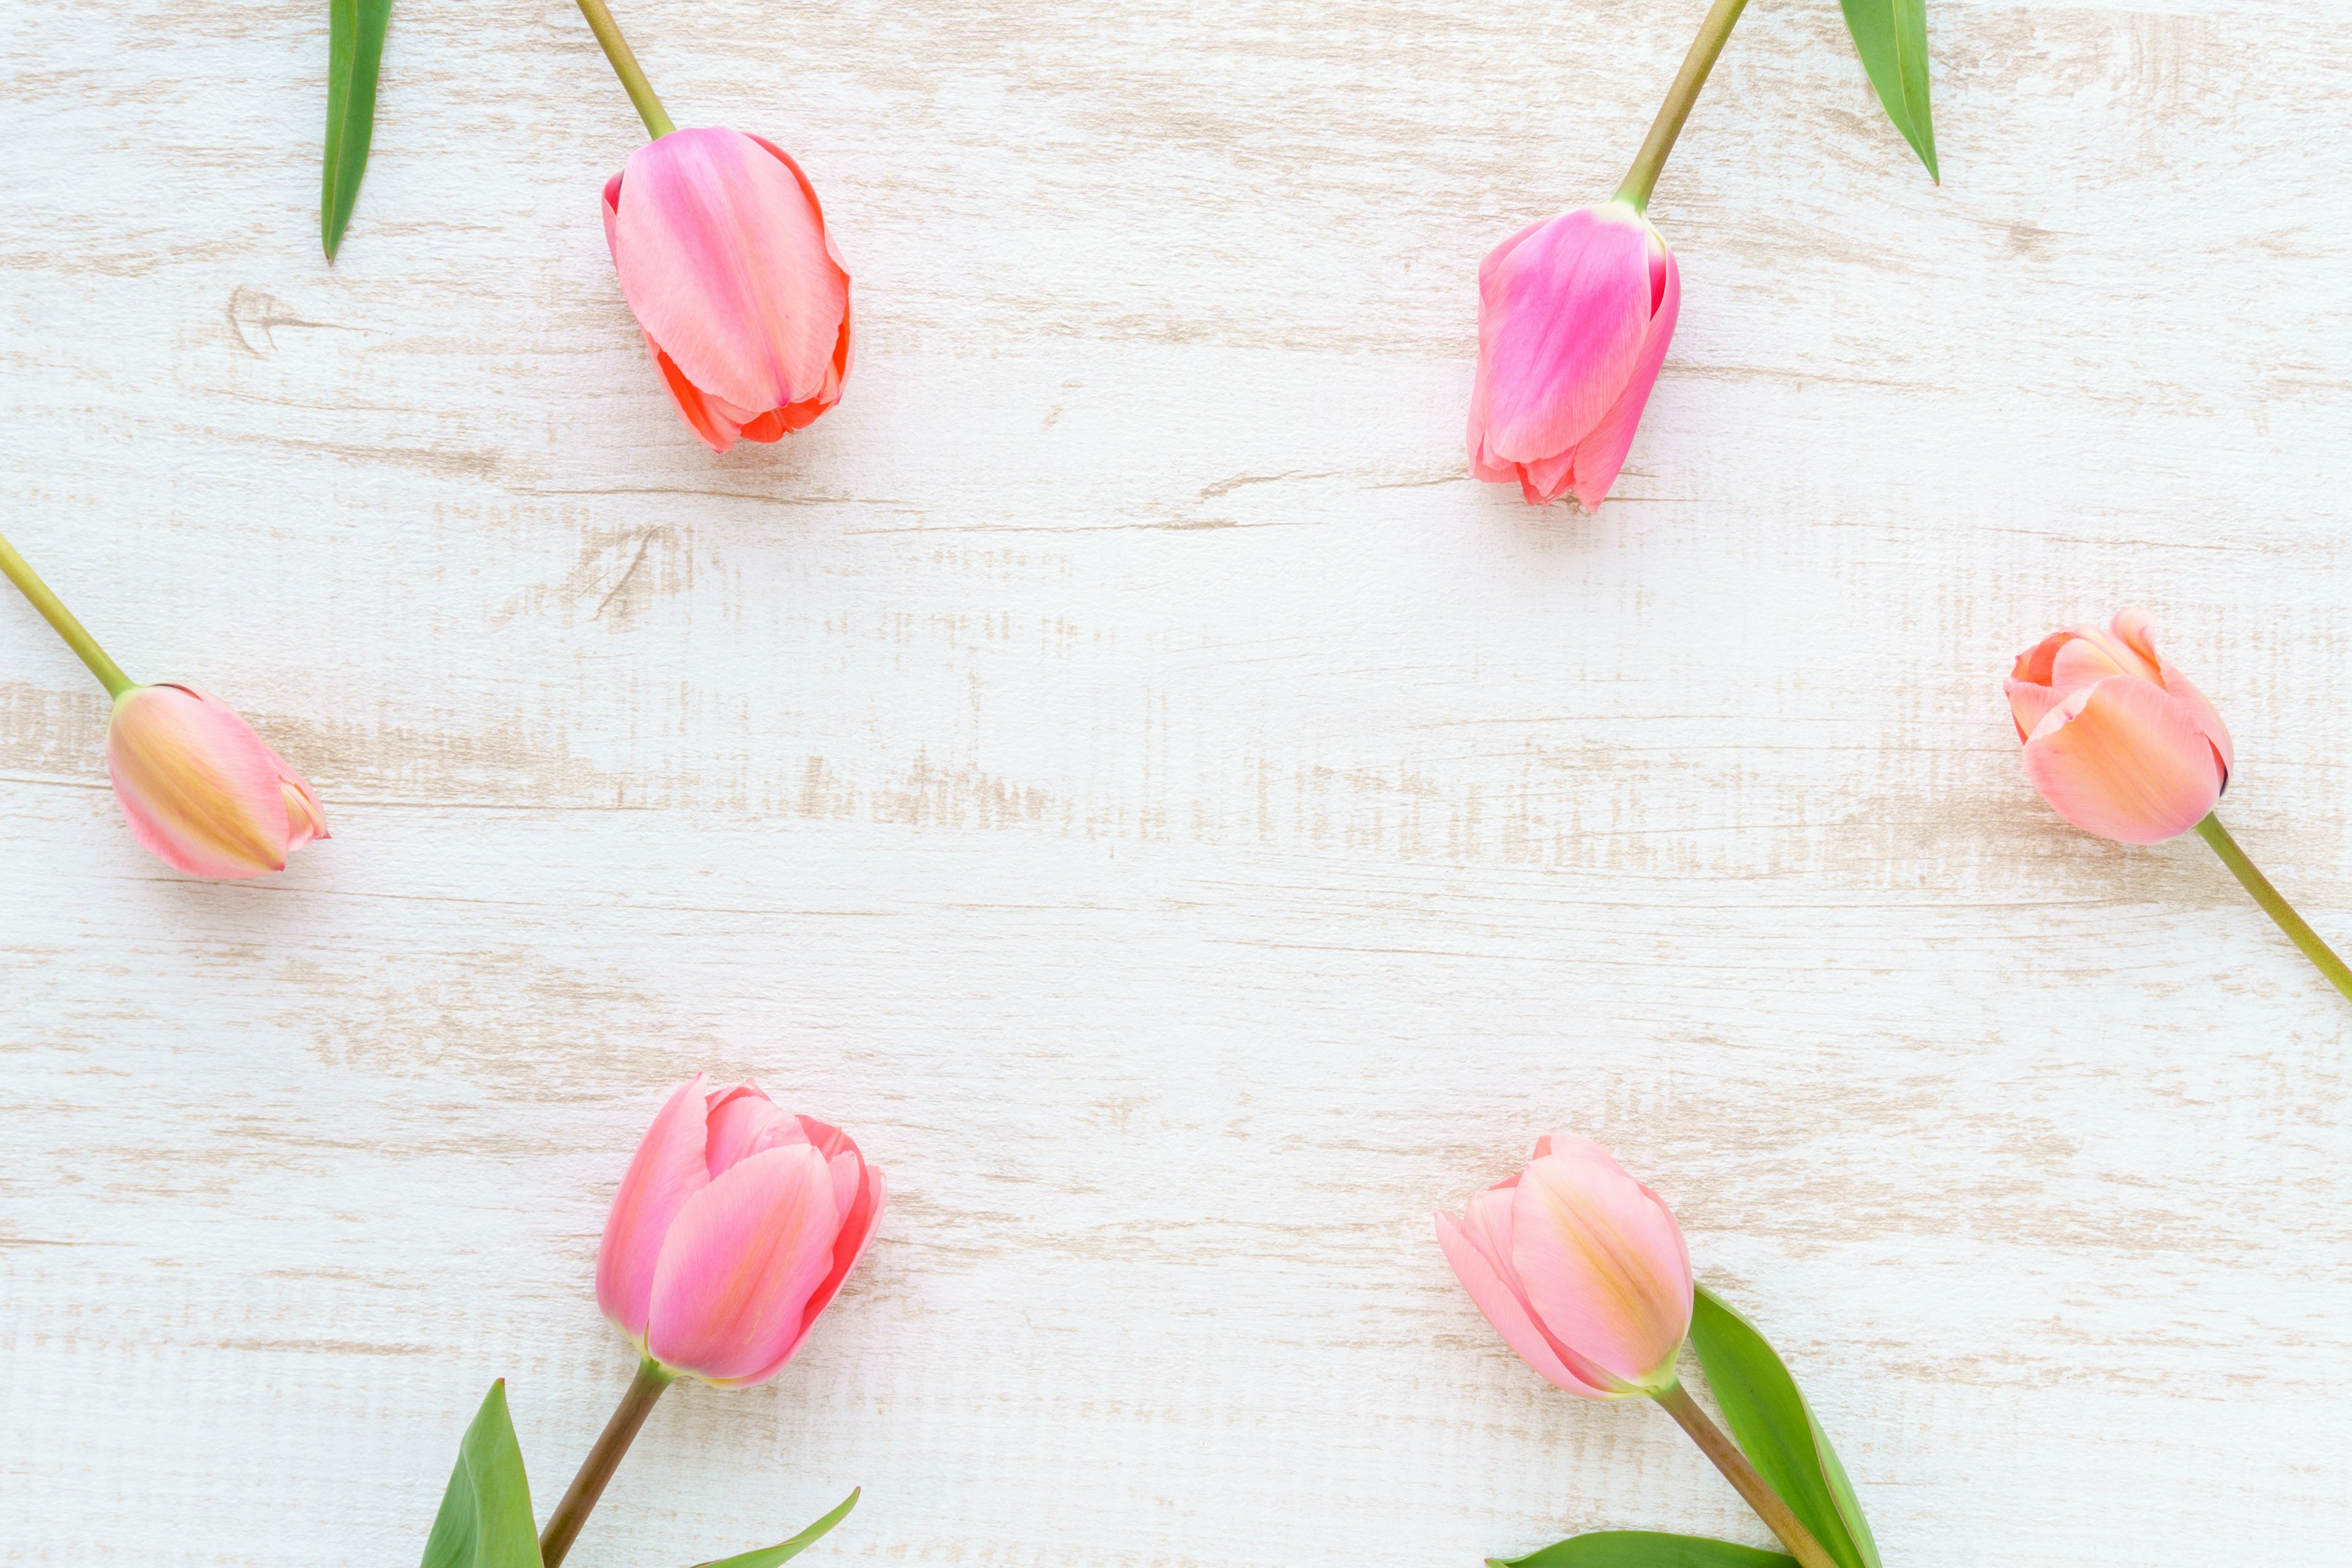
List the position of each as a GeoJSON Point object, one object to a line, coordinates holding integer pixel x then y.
{"type": "Point", "coordinates": [768, 1556]}
{"type": "Point", "coordinates": [1891, 36]}
{"type": "Point", "coordinates": [1645, 1549]}
{"type": "Point", "coordinates": [354, 51]}
{"type": "Point", "coordinates": [485, 1518]}
{"type": "Point", "coordinates": [1776, 1429]}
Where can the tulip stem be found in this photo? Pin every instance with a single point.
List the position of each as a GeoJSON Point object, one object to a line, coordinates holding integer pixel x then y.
{"type": "Point", "coordinates": [28, 582]}
{"type": "Point", "coordinates": [1643, 177]}
{"type": "Point", "coordinates": [563, 1524]}
{"type": "Point", "coordinates": [1743, 1478]}
{"type": "Point", "coordinates": [624, 66]}
{"type": "Point", "coordinates": [2278, 909]}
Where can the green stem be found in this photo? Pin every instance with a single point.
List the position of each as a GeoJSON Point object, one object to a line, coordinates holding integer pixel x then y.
{"type": "Point", "coordinates": [624, 66]}
{"type": "Point", "coordinates": [604, 1458]}
{"type": "Point", "coordinates": [28, 582]}
{"type": "Point", "coordinates": [2278, 909]}
{"type": "Point", "coordinates": [1643, 177]}
{"type": "Point", "coordinates": [1743, 1478]}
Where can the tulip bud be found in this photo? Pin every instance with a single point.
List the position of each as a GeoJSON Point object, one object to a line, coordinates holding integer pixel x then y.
{"type": "Point", "coordinates": [723, 257]}
{"type": "Point", "coordinates": [2117, 740]}
{"type": "Point", "coordinates": [735, 1225]}
{"type": "Point", "coordinates": [1574, 316]}
{"type": "Point", "coordinates": [1579, 1268]}
{"type": "Point", "coordinates": [202, 792]}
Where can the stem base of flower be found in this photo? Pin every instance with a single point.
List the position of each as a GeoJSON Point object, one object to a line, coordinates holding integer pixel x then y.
{"type": "Point", "coordinates": [2250, 877]}
{"type": "Point", "coordinates": [624, 66]}
{"type": "Point", "coordinates": [1713, 34]}
{"type": "Point", "coordinates": [20, 570]}
{"type": "Point", "coordinates": [604, 1458]}
{"type": "Point", "coordinates": [1718, 1448]}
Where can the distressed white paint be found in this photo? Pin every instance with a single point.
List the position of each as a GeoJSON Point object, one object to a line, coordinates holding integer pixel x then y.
{"type": "Point", "coordinates": [1118, 766]}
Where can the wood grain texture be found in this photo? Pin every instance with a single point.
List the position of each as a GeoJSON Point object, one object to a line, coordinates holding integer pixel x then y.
{"type": "Point", "coordinates": [1118, 765]}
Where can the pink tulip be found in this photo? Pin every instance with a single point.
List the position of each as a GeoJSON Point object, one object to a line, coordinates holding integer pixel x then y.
{"type": "Point", "coordinates": [202, 792]}
{"type": "Point", "coordinates": [2117, 740]}
{"type": "Point", "coordinates": [732, 1231]}
{"type": "Point", "coordinates": [1579, 1268]}
{"type": "Point", "coordinates": [723, 255]}
{"type": "Point", "coordinates": [1574, 316]}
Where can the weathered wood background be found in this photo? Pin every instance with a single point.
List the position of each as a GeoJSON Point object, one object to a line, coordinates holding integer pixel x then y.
{"type": "Point", "coordinates": [1121, 768]}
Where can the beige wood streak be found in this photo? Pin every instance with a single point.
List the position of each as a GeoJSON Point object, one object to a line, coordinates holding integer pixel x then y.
{"type": "Point", "coordinates": [1118, 766]}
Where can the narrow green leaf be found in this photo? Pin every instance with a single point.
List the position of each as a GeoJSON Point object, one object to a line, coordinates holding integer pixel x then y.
{"type": "Point", "coordinates": [1645, 1549]}
{"type": "Point", "coordinates": [1891, 36]}
{"type": "Point", "coordinates": [1776, 1429]}
{"type": "Point", "coordinates": [785, 1551]}
{"type": "Point", "coordinates": [485, 1518]}
{"type": "Point", "coordinates": [354, 51]}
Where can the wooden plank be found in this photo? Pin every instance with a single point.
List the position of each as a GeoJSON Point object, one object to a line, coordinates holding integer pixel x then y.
{"type": "Point", "coordinates": [1119, 767]}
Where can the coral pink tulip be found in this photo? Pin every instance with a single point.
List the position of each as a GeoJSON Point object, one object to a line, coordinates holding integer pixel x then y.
{"type": "Point", "coordinates": [735, 1225]}
{"type": "Point", "coordinates": [1579, 1268]}
{"type": "Point", "coordinates": [1574, 316]}
{"type": "Point", "coordinates": [2117, 740]}
{"type": "Point", "coordinates": [2122, 746]}
{"type": "Point", "coordinates": [723, 257]}
{"type": "Point", "coordinates": [202, 792]}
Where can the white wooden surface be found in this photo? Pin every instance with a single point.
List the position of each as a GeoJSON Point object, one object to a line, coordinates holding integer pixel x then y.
{"type": "Point", "coordinates": [1118, 766]}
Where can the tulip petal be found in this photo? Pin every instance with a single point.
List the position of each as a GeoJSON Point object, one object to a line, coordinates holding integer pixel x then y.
{"type": "Point", "coordinates": [1602, 1263]}
{"type": "Point", "coordinates": [1504, 1309]}
{"type": "Point", "coordinates": [1487, 1223]}
{"type": "Point", "coordinates": [1602, 451]}
{"type": "Point", "coordinates": [739, 1265]}
{"type": "Point", "coordinates": [1563, 314]}
{"type": "Point", "coordinates": [2137, 629]}
{"type": "Point", "coordinates": [305, 819]}
{"type": "Point", "coordinates": [2124, 760]}
{"type": "Point", "coordinates": [1546, 479]}
{"type": "Point", "coordinates": [702, 414]}
{"type": "Point", "coordinates": [2028, 703]}
{"type": "Point", "coordinates": [743, 1122]}
{"type": "Point", "coordinates": [857, 1225]}
{"type": "Point", "coordinates": [722, 255]}
{"type": "Point", "coordinates": [200, 789]}
{"type": "Point", "coordinates": [2036, 664]}
{"type": "Point", "coordinates": [668, 1169]}
{"type": "Point", "coordinates": [2090, 655]}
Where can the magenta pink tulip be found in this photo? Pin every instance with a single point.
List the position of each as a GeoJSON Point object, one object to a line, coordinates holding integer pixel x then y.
{"type": "Point", "coordinates": [1574, 316]}
{"type": "Point", "coordinates": [735, 1225]}
{"type": "Point", "coordinates": [202, 792]}
{"type": "Point", "coordinates": [1579, 1268]}
{"type": "Point", "coordinates": [723, 257]}
{"type": "Point", "coordinates": [2117, 740]}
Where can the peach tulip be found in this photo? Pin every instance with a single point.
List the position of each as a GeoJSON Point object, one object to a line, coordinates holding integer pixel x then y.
{"type": "Point", "coordinates": [2117, 740]}
{"type": "Point", "coordinates": [2122, 746]}
{"type": "Point", "coordinates": [735, 1225]}
{"type": "Point", "coordinates": [1579, 1268]}
{"type": "Point", "coordinates": [1574, 316]}
{"type": "Point", "coordinates": [723, 257]}
{"type": "Point", "coordinates": [202, 792]}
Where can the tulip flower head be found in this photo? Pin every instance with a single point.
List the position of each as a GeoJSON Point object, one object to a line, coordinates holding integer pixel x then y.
{"type": "Point", "coordinates": [1579, 1268]}
{"type": "Point", "coordinates": [204, 792]}
{"type": "Point", "coordinates": [723, 257]}
{"type": "Point", "coordinates": [1574, 316]}
{"type": "Point", "coordinates": [734, 1227]}
{"type": "Point", "coordinates": [2117, 740]}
